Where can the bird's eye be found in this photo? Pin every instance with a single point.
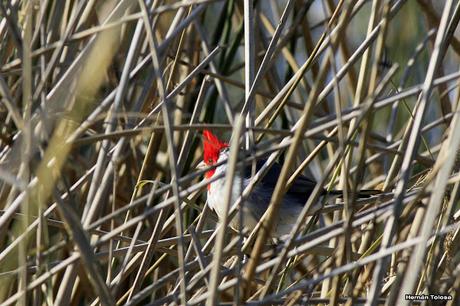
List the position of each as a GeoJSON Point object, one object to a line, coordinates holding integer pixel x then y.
{"type": "Point", "coordinates": [210, 161]}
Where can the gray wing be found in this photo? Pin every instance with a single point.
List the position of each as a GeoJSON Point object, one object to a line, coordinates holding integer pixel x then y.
{"type": "Point", "coordinates": [299, 192]}
{"type": "Point", "coordinates": [294, 199]}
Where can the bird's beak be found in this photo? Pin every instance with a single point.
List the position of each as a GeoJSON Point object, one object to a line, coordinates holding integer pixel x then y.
{"type": "Point", "coordinates": [202, 165]}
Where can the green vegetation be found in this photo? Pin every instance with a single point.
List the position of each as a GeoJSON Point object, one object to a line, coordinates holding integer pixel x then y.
{"type": "Point", "coordinates": [101, 112]}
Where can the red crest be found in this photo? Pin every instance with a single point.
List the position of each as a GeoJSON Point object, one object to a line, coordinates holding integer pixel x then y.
{"type": "Point", "coordinates": [211, 149]}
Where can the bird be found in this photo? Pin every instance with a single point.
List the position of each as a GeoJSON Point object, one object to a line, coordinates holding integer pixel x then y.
{"type": "Point", "coordinates": [216, 151]}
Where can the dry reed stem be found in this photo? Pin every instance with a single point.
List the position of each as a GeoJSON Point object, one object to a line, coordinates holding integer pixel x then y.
{"type": "Point", "coordinates": [102, 107]}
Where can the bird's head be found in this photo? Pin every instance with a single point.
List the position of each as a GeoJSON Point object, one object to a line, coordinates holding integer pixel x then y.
{"type": "Point", "coordinates": [212, 148]}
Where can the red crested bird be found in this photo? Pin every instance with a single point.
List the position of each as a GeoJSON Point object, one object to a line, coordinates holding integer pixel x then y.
{"type": "Point", "coordinates": [216, 151]}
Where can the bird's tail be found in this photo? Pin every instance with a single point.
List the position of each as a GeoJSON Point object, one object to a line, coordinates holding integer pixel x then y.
{"type": "Point", "coordinates": [362, 194]}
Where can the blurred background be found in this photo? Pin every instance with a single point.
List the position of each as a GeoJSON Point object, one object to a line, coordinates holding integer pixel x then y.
{"type": "Point", "coordinates": [102, 108]}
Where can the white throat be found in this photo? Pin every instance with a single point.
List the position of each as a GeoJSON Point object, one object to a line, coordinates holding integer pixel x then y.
{"type": "Point", "coordinates": [216, 189]}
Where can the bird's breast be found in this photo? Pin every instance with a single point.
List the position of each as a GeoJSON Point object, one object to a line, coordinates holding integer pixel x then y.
{"type": "Point", "coordinates": [217, 193]}
{"type": "Point", "coordinates": [216, 200]}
